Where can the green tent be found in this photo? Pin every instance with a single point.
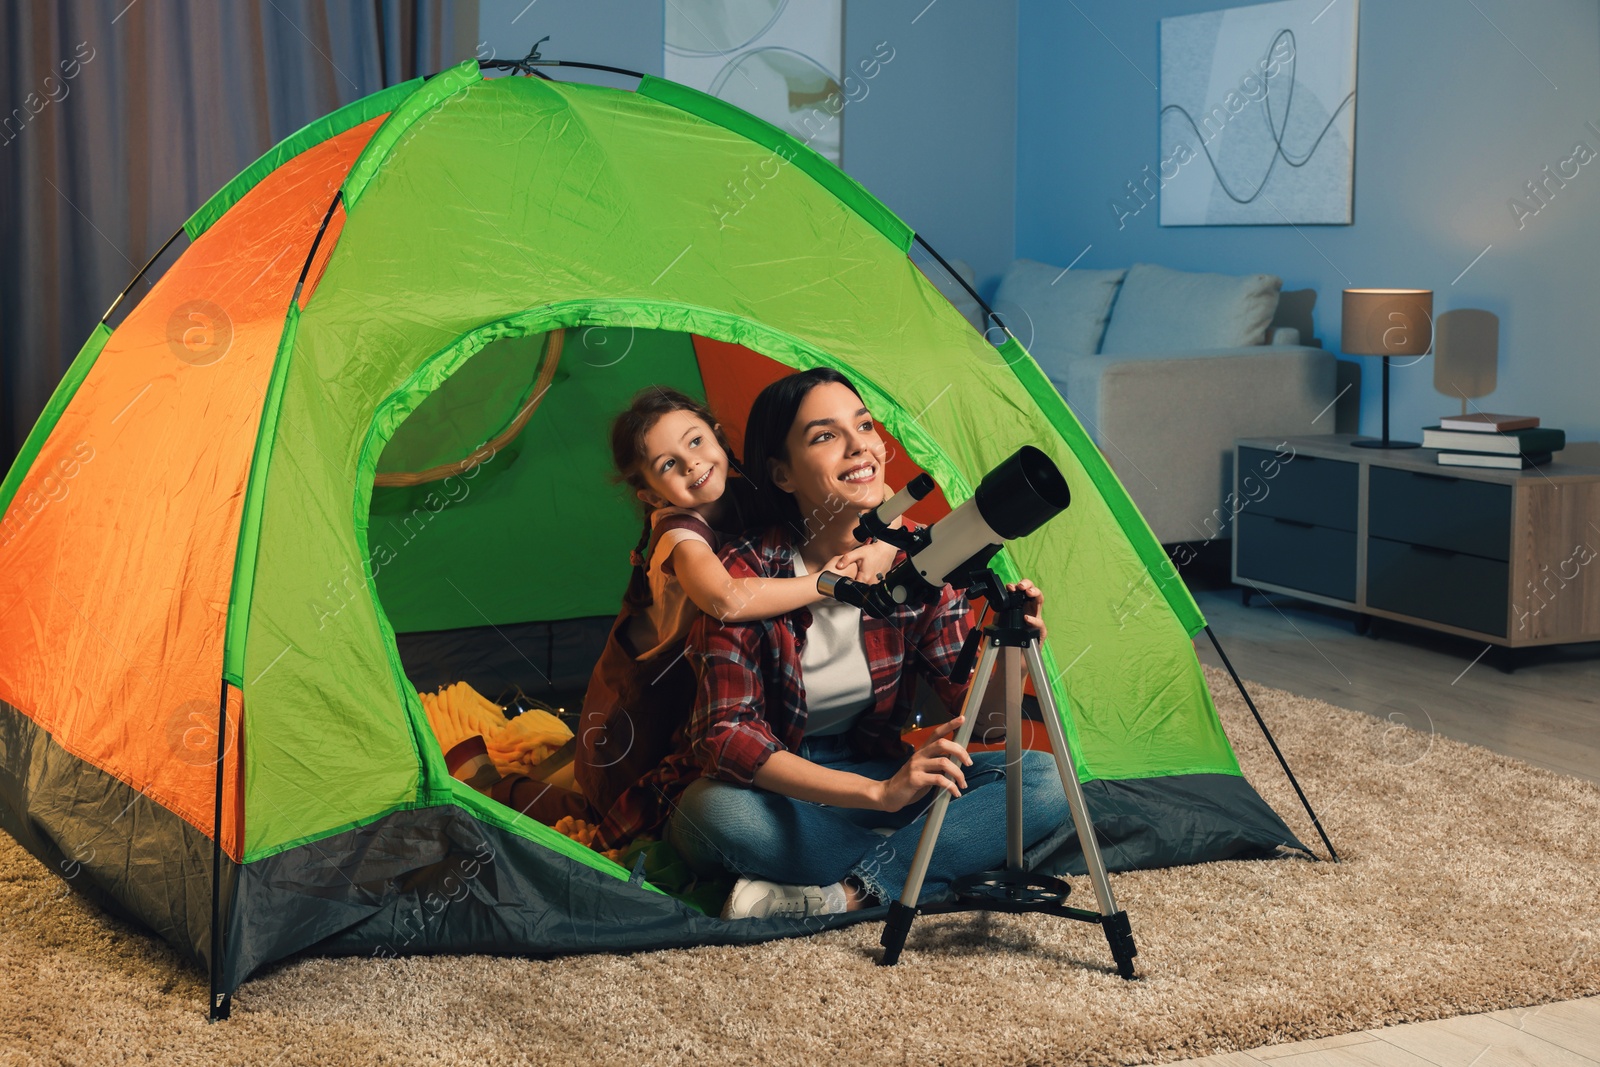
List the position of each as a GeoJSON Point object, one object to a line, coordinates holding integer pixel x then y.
{"type": "Point", "coordinates": [215, 623]}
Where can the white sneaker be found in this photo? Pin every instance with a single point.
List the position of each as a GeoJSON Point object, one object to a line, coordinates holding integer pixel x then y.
{"type": "Point", "coordinates": [755, 899]}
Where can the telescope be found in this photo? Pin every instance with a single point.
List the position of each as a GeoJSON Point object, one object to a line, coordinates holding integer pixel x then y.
{"type": "Point", "coordinates": [1013, 500]}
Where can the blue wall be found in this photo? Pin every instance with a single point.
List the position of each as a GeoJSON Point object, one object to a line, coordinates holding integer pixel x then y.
{"type": "Point", "coordinates": [1451, 121]}
{"type": "Point", "coordinates": [934, 138]}
{"type": "Point", "coordinates": [937, 139]}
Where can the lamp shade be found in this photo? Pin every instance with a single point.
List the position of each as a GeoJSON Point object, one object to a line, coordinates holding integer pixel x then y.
{"type": "Point", "coordinates": [1387, 322]}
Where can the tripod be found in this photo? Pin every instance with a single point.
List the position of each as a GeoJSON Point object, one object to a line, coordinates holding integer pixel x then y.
{"type": "Point", "coordinates": [1012, 889]}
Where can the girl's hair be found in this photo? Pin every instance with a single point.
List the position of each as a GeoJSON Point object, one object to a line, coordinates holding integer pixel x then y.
{"type": "Point", "coordinates": [627, 455]}
{"type": "Point", "coordinates": [766, 437]}
{"type": "Point", "coordinates": [629, 427]}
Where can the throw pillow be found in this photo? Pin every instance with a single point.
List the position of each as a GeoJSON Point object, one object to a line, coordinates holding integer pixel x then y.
{"type": "Point", "coordinates": [1162, 310]}
{"type": "Point", "coordinates": [1056, 314]}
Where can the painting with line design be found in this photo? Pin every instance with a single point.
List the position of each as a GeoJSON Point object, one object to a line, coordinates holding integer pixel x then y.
{"type": "Point", "coordinates": [1258, 116]}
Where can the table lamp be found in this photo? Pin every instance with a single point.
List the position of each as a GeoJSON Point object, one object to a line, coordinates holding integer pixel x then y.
{"type": "Point", "coordinates": [1386, 322]}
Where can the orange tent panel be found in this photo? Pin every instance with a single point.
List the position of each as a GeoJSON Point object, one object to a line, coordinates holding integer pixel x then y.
{"type": "Point", "coordinates": [126, 570]}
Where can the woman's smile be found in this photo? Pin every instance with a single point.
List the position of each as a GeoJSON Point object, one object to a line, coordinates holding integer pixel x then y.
{"type": "Point", "coordinates": [862, 472]}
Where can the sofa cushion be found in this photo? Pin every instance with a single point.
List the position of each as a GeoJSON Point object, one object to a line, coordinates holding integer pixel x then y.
{"type": "Point", "coordinates": [1167, 309]}
{"type": "Point", "coordinates": [1056, 314]}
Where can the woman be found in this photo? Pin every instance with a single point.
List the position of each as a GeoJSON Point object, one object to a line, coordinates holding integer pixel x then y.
{"type": "Point", "coordinates": [671, 451]}
{"type": "Point", "coordinates": [801, 782]}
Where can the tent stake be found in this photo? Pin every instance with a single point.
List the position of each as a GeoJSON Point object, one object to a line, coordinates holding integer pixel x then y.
{"type": "Point", "coordinates": [1275, 750]}
{"type": "Point", "coordinates": [221, 1000]}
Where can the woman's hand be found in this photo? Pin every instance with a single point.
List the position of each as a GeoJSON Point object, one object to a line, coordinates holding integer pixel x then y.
{"type": "Point", "coordinates": [938, 763]}
{"type": "Point", "coordinates": [1031, 615]}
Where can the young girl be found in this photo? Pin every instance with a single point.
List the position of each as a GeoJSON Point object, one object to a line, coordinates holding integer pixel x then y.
{"type": "Point", "coordinates": [671, 451]}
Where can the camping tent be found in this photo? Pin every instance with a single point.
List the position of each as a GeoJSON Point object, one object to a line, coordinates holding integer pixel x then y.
{"type": "Point", "coordinates": [193, 538]}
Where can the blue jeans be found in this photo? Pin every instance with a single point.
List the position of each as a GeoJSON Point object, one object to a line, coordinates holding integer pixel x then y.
{"type": "Point", "coordinates": [755, 833]}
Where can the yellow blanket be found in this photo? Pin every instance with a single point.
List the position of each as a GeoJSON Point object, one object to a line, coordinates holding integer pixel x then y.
{"type": "Point", "coordinates": [516, 745]}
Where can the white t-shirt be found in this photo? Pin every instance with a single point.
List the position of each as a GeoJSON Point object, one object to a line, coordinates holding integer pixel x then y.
{"type": "Point", "coordinates": [833, 667]}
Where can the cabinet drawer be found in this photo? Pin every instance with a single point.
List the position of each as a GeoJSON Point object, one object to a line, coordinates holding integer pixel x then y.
{"type": "Point", "coordinates": [1454, 588]}
{"type": "Point", "coordinates": [1297, 555]}
{"type": "Point", "coordinates": [1305, 488]}
{"type": "Point", "coordinates": [1440, 511]}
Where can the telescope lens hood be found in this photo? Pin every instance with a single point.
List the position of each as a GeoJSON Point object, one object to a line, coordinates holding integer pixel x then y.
{"type": "Point", "coordinates": [1022, 494]}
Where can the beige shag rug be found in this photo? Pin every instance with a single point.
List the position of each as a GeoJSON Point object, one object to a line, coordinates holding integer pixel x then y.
{"type": "Point", "coordinates": [1470, 882]}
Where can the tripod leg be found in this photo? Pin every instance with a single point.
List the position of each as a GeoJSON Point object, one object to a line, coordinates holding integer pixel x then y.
{"type": "Point", "coordinates": [1115, 923]}
{"type": "Point", "coordinates": [1012, 664]}
{"type": "Point", "coordinates": [902, 911]}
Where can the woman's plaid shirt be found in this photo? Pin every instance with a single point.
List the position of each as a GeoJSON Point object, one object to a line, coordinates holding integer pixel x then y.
{"type": "Point", "coordinates": [750, 697]}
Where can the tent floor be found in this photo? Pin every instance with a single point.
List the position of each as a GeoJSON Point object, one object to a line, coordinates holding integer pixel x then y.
{"type": "Point", "coordinates": [549, 661]}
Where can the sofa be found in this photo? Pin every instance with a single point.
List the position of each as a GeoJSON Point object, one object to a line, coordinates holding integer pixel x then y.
{"type": "Point", "coordinates": [1165, 369]}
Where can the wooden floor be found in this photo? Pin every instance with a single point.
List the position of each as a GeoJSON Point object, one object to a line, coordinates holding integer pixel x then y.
{"type": "Point", "coordinates": [1547, 711]}
{"type": "Point", "coordinates": [1554, 1035]}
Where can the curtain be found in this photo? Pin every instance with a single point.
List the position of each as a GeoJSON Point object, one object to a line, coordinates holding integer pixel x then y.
{"type": "Point", "coordinates": [118, 118]}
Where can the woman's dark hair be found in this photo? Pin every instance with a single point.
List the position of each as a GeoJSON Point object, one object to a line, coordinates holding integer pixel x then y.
{"type": "Point", "coordinates": [766, 437]}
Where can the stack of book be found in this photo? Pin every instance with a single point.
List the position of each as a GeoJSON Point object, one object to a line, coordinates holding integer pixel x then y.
{"type": "Point", "coordinates": [1511, 442]}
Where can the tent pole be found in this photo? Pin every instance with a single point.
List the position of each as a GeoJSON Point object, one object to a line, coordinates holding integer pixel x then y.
{"type": "Point", "coordinates": [142, 271]}
{"type": "Point", "coordinates": [988, 311]}
{"type": "Point", "coordinates": [1275, 750]}
{"type": "Point", "coordinates": [316, 242]}
{"type": "Point", "coordinates": [992, 314]}
{"type": "Point", "coordinates": [221, 1000]}
{"type": "Point", "coordinates": [533, 59]}
{"type": "Point", "coordinates": [588, 66]}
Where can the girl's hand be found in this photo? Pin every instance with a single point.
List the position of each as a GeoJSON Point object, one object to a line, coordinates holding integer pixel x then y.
{"type": "Point", "coordinates": [873, 559]}
{"type": "Point", "coordinates": [1035, 594]}
{"type": "Point", "coordinates": [937, 764]}
{"type": "Point", "coordinates": [843, 564]}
